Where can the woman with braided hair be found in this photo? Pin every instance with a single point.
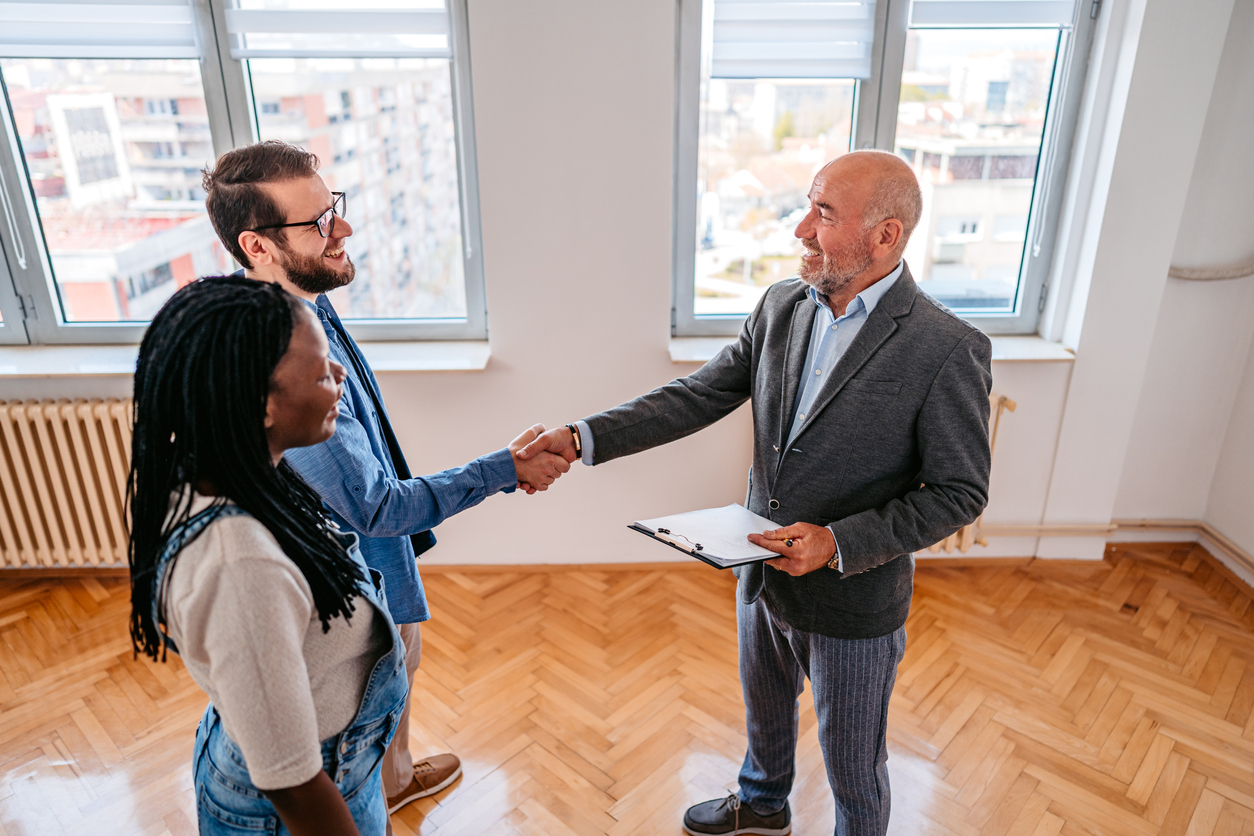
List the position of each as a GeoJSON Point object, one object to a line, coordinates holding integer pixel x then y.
{"type": "Point", "coordinates": [235, 567]}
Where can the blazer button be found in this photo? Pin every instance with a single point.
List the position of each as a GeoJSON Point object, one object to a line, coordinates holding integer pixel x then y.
{"type": "Point", "coordinates": [774, 503]}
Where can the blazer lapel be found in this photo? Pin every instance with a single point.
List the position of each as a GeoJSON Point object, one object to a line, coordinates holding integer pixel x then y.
{"type": "Point", "coordinates": [879, 326]}
{"type": "Point", "coordinates": [794, 358]}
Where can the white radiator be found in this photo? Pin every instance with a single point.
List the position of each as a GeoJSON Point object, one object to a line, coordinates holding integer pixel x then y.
{"type": "Point", "coordinates": [63, 467]}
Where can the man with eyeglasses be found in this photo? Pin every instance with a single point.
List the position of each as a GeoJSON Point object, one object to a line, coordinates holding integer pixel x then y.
{"type": "Point", "coordinates": [277, 217]}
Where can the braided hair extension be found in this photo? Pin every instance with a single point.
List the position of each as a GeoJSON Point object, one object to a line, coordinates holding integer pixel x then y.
{"type": "Point", "coordinates": [201, 385]}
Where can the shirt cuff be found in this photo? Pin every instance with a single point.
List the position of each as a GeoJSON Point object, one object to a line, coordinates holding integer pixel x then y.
{"type": "Point", "coordinates": [585, 440]}
{"type": "Point", "coordinates": [499, 473]}
{"type": "Point", "coordinates": [840, 561]}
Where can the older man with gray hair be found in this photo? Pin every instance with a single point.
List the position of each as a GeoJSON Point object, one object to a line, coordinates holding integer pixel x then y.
{"type": "Point", "coordinates": [870, 412]}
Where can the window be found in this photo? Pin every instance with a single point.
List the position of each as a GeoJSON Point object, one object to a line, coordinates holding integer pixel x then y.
{"type": "Point", "coordinates": [767, 95]}
{"type": "Point", "coordinates": [104, 139]}
{"type": "Point", "coordinates": [979, 98]}
{"type": "Point", "coordinates": [376, 143]}
{"type": "Point", "coordinates": [113, 173]}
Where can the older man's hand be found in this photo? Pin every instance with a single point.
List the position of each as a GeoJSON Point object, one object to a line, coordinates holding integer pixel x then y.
{"type": "Point", "coordinates": [559, 441]}
{"type": "Point", "coordinates": [536, 470]}
{"type": "Point", "coordinates": [812, 547]}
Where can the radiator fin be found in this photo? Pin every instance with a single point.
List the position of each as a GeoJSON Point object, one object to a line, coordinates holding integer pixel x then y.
{"type": "Point", "coordinates": [63, 467]}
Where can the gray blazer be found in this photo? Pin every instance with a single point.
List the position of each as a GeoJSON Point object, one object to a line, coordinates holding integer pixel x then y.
{"type": "Point", "coordinates": [893, 458]}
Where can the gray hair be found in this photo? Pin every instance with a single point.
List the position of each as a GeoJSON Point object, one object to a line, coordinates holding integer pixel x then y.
{"type": "Point", "coordinates": [896, 194]}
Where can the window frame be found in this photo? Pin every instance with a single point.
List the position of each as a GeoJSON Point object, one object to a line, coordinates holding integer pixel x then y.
{"type": "Point", "coordinates": [875, 126]}
{"type": "Point", "coordinates": [31, 311]}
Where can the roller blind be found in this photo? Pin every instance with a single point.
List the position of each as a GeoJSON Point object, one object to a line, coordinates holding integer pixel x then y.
{"type": "Point", "coordinates": [85, 29]}
{"type": "Point", "coordinates": [787, 39]}
{"type": "Point", "coordinates": [328, 33]}
{"type": "Point", "coordinates": [966, 13]}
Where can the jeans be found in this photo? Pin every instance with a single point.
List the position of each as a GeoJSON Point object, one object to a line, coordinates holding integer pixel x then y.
{"type": "Point", "coordinates": [227, 802]}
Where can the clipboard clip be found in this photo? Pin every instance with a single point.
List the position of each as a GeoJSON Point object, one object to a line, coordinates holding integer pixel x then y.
{"type": "Point", "coordinates": [666, 535]}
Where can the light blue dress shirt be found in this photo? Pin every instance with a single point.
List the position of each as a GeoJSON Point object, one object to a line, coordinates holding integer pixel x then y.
{"type": "Point", "coordinates": [830, 338]}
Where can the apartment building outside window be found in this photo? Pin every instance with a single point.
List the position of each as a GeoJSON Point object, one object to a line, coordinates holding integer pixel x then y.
{"type": "Point", "coordinates": [107, 125]}
{"type": "Point", "coordinates": [979, 98]}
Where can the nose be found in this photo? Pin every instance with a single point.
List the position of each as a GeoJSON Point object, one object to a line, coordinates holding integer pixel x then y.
{"type": "Point", "coordinates": [338, 372]}
{"type": "Point", "coordinates": [805, 229]}
{"type": "Point", "coordinates": [340, 228]}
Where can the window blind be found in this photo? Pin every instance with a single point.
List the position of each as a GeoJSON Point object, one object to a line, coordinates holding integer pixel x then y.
{"type": "Point", "coordinates": [788, 39]}
{"type": "Point", "coordinates": [324, 33]}
{"type": "Point", "coordinates": [1051, 13]}
{"type": "Point", "coordinates": [85, 29]}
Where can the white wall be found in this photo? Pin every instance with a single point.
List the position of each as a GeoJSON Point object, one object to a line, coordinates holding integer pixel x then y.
{"type": "Point", "coordinates": [1195, 364]}
{"type": "Point", "coordinates": [573, 108]}
{"type": "Point", "coordinates": [1231, 506]}
{"type": "Point", "coordinates": [1150, 166]}
{"type": "Point", "coordinates": [574, 112]}
{"type": "Point", "coordinates": [1204, 329]}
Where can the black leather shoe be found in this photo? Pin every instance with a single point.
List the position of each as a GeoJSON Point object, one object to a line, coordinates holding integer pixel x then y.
{"type": "Point", "coordinates": [730, 817]}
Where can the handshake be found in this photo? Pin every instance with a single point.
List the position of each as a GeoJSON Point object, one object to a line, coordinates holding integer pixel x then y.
{"type": "Point", "coordinates": [542, 456]}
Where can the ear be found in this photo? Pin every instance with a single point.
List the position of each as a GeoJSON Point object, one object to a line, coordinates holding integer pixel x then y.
{"type": "Point", "coordinates": [889, 235]}
{"type": "Point", "coordinates": [271, 409]}
{"type": "Point", "coordinates": [259, 249]}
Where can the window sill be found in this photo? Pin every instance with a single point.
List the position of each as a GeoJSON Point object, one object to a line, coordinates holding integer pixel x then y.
{"type": "Point", "coordinates": [119, 360]}
{"type": "Point", "coordinates": [1005, 349]}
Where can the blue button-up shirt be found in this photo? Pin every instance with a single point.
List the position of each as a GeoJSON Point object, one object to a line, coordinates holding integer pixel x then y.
{"type": "Point", "coordinates": [353, 473]}
{"type": "Point", "coordinates": [830, 338]}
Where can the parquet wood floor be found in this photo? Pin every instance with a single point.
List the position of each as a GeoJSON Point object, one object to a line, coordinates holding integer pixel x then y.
{"type": "Point", "coordinates": [1038, 700]}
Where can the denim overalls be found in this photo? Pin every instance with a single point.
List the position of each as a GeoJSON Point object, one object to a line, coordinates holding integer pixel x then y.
{"type": "Point", "coordinates": [227, 803]}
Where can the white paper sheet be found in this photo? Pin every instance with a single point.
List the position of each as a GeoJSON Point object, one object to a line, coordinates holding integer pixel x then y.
{"type": "Point", "coordinates": [722, 533]}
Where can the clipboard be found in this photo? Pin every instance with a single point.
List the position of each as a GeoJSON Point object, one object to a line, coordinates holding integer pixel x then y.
{"type": "Point", "coordinates": [736, 517]}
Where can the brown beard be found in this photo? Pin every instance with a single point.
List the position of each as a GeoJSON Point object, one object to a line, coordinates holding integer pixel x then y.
{"type": "Point", "coordinates": [839, 269]}
{"type": "Point", "coordinates": [310, 274]}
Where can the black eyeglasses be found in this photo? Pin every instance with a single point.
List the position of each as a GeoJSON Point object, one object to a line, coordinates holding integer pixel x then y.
{"type": "Point", "coordinates": [325, 222]}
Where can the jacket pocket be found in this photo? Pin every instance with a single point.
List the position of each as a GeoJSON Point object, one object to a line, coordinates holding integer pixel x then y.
{"type": "Point", "coordinates": [873, 387]}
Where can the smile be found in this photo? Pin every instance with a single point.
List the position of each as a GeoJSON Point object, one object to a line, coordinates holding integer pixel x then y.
{"type": "Point", "coordinates": [334, 253]}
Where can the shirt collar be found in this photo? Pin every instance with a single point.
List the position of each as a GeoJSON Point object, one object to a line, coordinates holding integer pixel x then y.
{"type": "Point", "coordinates": [869, 298]}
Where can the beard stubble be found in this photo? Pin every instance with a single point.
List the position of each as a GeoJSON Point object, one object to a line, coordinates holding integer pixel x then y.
{"type": "Point", "coordinates": [312, 275]}
{"type": "Point", "coordinates": [839, 269]}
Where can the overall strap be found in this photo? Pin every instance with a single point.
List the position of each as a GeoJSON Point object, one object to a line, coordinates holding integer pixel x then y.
{"type": "Point", "coordinates": [178, 538]}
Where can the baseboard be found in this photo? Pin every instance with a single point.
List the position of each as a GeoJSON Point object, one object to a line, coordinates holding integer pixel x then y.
{"type": "Point", "coordinates": [1217, 546]}
{"type": "Point", "coordinates": [925, 561]}
{"type": "Point", "coordinates": [27, 572]}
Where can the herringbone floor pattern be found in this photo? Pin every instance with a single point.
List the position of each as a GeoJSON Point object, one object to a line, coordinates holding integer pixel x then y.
{"type": "Point", "coordinates": [1042, 699]}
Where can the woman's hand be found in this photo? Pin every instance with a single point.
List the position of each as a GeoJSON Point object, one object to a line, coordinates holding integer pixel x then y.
{"type": "Point", "coordinates": [315, 808]}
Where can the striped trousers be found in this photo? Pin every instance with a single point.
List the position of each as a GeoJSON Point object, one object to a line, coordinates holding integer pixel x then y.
{"type": "Point", "coordinates": [852, 680]}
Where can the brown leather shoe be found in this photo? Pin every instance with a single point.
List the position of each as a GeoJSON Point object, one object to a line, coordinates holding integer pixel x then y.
{"type": "Point", "coordinates": [430, 776]}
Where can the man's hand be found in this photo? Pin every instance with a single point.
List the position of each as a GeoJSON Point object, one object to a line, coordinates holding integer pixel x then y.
{"type": "Point", "coordinates": [812, 546]}
{"type": "Point", "coordinates": [559, 440]}
{"type": "Point", "coordinates": [537, 470]}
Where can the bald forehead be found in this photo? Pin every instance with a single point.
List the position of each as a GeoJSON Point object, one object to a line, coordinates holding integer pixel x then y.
{"type": "Point", "coordinates": [852, 177]}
